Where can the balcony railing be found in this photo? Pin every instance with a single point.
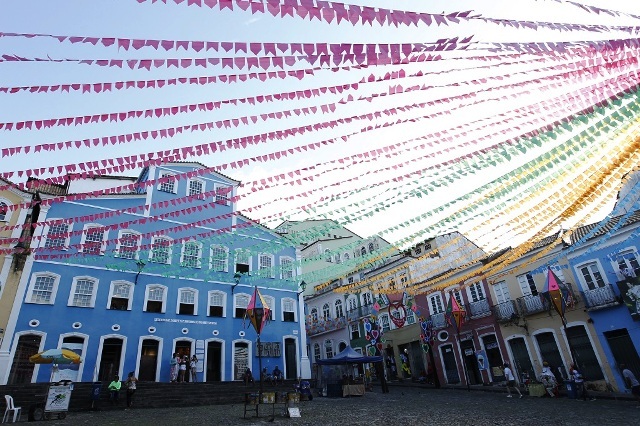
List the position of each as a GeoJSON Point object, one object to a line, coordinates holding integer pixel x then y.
{"type": "Point", "coordinates": [439, 321]}
{"type": "Point", "coordinates": [505, 311]}
{"type": "Point", "coordinates": [531, 304]}
{"type": "Point", "coordinates": [479, 309]}
{"type": "Point", "coordinates": [600, 297]}
{"type": "Point", "coordinates": [360, 312]}
{"type": "Point", "coordinates": [323, 326]}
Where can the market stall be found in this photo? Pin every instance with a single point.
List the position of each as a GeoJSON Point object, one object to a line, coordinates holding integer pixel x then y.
{"type": "Point", "coordinates": [339, 374]}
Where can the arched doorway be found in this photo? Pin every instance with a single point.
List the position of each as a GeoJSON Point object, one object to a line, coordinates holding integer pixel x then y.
{"type": "Point", "coordinates": [214, 361]}
{"type": "Point", "coordinates": [183, 348]}
{"type": "Point", "coordinates": [148, 367]}
{"type": "Point", "coordinates": [240, 360]}
{"type": "Point", "coordinates": [290, 359]}
{"type": "Point", "coordinates": [21, 369]}
{"type": "Point", "coordinates": [110, 359]}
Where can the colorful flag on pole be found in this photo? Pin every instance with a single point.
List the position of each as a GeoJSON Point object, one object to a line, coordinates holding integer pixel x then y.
{"type": "Point", "coordinates": [257, 311]}
{"type": "Point", "coordinates": [555, 295]}
{"type": "Point", "coordinates": [455, 313]}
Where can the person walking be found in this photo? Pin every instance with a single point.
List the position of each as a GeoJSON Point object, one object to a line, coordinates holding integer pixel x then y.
{"type": "Point", "coordinates": [194, 368]}
{"type": "Point", "coordinates": [511, 381]}
{"type": "Point", "coordinates": [175, 366]}
{"type": "Point", "coordinates": [130, 386]}
{"type": "Point", "coordinates": [631, 382]}
{"type": "Point", "coordinates": [114, 390]}
{"type": "Point", "coordinates": [581, 387]}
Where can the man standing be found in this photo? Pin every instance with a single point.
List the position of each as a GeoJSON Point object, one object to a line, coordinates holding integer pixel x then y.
{"type": "Point", "coordinates": [511, 380]}
{"type": "Point", "coordinates": [631, 382]}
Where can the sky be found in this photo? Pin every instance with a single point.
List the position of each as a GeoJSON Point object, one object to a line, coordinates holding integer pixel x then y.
{"type": "Point", "coordinates": [336, 179]}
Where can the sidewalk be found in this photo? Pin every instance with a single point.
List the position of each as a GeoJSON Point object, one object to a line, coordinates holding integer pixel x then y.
{"type": "Point", "coordinates": [500, 388]}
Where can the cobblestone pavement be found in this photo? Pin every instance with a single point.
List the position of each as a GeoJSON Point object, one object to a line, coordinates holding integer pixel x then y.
{"type": "Point", "coordinates": [402, 406]}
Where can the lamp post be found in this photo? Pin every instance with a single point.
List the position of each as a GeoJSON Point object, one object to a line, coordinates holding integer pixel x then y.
{"type": "Point", "coordinates": [303, 287]}
{"type": "Point", "coordinates": [236, 278]}
{"type": "Point", "coordinates": [140, 264]}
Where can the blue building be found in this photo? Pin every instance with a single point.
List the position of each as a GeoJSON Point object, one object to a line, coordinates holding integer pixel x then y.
{"type": "Point", "coordinates": [162, 265]}
{"type": "Point", "coordinates": [607, 268]}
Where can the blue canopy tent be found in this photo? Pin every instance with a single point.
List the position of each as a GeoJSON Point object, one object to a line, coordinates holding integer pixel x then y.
{"type": "Point", "coordinates": [335, 370]}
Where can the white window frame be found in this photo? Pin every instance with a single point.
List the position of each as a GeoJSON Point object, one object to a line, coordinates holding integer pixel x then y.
{"type": "Point", "coordinates": [67, 239]}
{"type": "Point", "coordinates": [317, 351]}
{"type": "Point", "coordinates": [121, 237]}
{"type": "Point", "coordinates": [172, 183]}
{"type": "Point", "coordinates": [354, 327]}
{"type": "Point", "coordinates": [456, 294]}
{"type": "Point", "coordinates": [202, 187]}
{"type": "Point", "coordinates": [112, 287]}
{"type": "Point", "coordinates": [242, 296]}
{"type": "Point", "coordinates": [287, 271]}
{"type": "Point", "coordinates": [94, 291]}
{"type": "Point", "coordinates": [352, 303]}
{"type": "Point", "coordinates": [588, 264]}
{"type": "Point", "coordinates": [150, 287]}
{"type": "Point", "coordinates": [184, 249]}
{"type": "Point", "coordinates": [154, 242]}
{"type": "Point", "coordinates": [385, 322]}
{"type": "Point", "coordinates": [328, 344]}
{"type": "Point", "coordinates": [504, 295]}
{"type": "Point", "coordinates": [85, 231]}
{"type": "Point", "coordinates": [326, 311]}
{"type": "Point", "coordinates": [525, 285]}
{"type": "Point", "coordinates": [242, 252]}
{"type": "Point", "coordinates": [6, 217]}
{"type": "Point", "coordinates": [54, 288]}
{"type": "Point", "coordinates": [313, 313]}
{"type": "Point", "coordinates": [479, 290]}
{"type": "Point", "coordinates": [367, 297]}
{"type": "Point", "coordinates": [223, 306]}
{"type": "Point", "coordinates": [219, 197]}
{"type": "Point", "coordinates": [283, 305]}
{"type": "Point", "coordinates": [271, 273]}
{"type": "Point", "coordinates": [195, 299]}
{"type": "Point", "coordinates": [271, 304]}
{"type": "Point", "coordinates": [338, 308]}
{"type": "Point", "coordinates": [214, 259]}
{"type": "Point", "coordinates": [436, 308]}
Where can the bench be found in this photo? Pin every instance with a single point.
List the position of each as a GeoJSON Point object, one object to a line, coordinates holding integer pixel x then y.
{"type": "Point", "coordinates": [253, 400]}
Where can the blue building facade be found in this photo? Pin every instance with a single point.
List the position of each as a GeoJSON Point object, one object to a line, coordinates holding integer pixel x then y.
{"type": "Point", "coordinates": [607, 268]}
{"type": "Point", "coordinates": [166, 266]}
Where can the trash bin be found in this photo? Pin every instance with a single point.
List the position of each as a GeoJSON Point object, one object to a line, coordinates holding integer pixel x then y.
{"type": "Point", "coordinates": [571, 389]}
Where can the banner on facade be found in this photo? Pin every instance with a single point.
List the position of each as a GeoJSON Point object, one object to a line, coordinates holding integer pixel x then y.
{"type": "Point", "coordinates": [270, 349]}
{"type": "Point", "coordinates": [481, 356]}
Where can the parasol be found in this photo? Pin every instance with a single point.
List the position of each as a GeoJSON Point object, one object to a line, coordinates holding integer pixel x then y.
{"type": "Point", "coordinates": [56, 356]}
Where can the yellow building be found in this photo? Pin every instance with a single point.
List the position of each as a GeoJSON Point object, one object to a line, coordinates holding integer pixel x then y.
{"type": "Point", "coordinates": [532, 330]}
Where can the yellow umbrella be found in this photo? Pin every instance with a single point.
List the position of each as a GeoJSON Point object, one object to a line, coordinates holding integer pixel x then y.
{"type": "Point", "coordinates": [56, 356]}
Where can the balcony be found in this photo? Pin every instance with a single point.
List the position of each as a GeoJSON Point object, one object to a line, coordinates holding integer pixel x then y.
{"type": "Point", "coordinates": [439, 321]}
{"type": "Point", "coordinates": [360, 312]}
{"type": "Point", "coordinates": [324, 326]}
{"type": "Point", "coordinates": [479, 309]}
{"type": "Point", "coordinates": [505, 311]}
{"type": "Point", "coordinates": [531, 304]}
{"type": "Point", "coordinates": [600, 298]}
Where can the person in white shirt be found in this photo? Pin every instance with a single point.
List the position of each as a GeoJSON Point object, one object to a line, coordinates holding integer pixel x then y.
{"type": "Point", "coordinates": [511, 380]}
{"type": "Point", "coordinates": [581, 387]}
{"type": "Point", "coordinates": [630, 381]}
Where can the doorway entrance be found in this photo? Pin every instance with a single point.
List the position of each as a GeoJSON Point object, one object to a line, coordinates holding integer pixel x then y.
{"type": "Point", "coordinates": [148, 367]}
{"type": "Point", "coordinates": [183, 348]}
{"type": "Point", "coordinates": [623, 349]}
{"type": "Point", "coordinates": [470, 361]}
{"type": "Point", "coordinates": [290, 359]}
{"type": "Point", "coordinates": [494, 357]}
{"type": "Point", "coordinates": [550, 353]}
{"type": "Point", "coordinates": [214, 361]}
{"type": "Point", "coordinates": [450, 365]}
{"type": "Point", "coordinates": [21, 367]}
{"type": "Point", "coordinates": [241, 360]}
{"type": "Point", "coordinates": [110, 359]}
{"type": "Point", "coordinates": [522, 361]}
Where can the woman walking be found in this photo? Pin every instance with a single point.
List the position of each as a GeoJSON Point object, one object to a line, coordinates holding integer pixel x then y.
{"type": "Point", "coordinates": [175, 365]}
{"type": "Point", "coordinates": [194, 369]}
{"type": "Point", "coordinates": [130, 385]}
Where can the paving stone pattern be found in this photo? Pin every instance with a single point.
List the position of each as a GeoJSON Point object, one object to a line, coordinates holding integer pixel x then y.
{"type": "Point", "coordinates": [402, 406]}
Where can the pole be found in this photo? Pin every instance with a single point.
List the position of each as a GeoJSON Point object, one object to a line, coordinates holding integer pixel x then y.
{"type": "Point", "coordinates": [260, 363]}
{"type": "Point", "coordinates": [436, 379]}
{"type": "Point", "coordinates": [464, 364]}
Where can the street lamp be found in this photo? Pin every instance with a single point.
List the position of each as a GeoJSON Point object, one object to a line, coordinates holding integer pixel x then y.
{"type": "Point", "coordinates": [303, 287]}
{"type": "Point", "coordinates": [236, 278]}
{"type": "Point", "coordinates": [140, 264]}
